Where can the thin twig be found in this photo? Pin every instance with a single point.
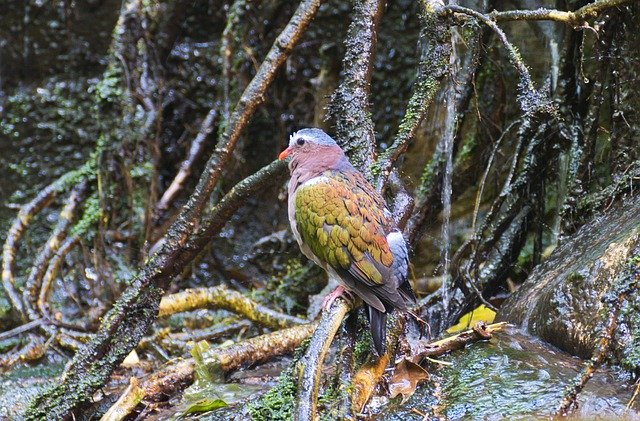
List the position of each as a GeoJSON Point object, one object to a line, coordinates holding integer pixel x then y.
{"type": "Point", "coordinates": [196, 149]}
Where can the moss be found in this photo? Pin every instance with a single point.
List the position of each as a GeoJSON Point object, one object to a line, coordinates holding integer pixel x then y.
{"type": "Point", "coordinates": [630, 315]}
{"type": "Point", "coordinates": [329, 401]}
{"type": "Point", "coordinates": [277, 403]}
{"type": "Point", "coordinates": [466, 151]}
{"type": "Point", "coordinates": [429, 173]}
{"type": "Point", "coordinates": [90, 216]}
{"type": "Point", "coordinates": [290, 289]}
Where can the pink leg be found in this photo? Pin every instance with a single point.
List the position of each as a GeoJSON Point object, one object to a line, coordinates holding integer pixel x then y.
{"type": "Point", "coordinates": [330, 298]}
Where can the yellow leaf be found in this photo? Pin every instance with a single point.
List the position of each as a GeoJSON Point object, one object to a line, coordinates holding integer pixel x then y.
{"type": "Point", "coordinates": [480, 313]}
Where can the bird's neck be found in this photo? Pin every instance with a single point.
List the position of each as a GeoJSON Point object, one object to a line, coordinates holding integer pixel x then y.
{"type": "Point", "coordinates": [307, 166]}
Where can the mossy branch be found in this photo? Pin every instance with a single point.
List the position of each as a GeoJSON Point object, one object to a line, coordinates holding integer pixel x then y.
{"type": "Point", "coordinates": [350, 102]}
{"type": "Point", "coordinates": [177, 376]}
{"type": "Point", "coordinates": [433, 67]}
{"type": "Point", "coordinates": [221, 297]}
{"type": "Point", "coordinates": [577, 19]}
{"type": "Point", "coordinates": [21, 222]}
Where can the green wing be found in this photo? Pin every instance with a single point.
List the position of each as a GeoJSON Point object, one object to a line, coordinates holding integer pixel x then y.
{"type": "Point", "coordinates": [341, 219]}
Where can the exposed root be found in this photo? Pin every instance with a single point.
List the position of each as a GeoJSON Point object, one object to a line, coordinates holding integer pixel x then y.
{"type": "Point", "coordinates": [221, 297]}
{"type": "Point", "coordinates": [52, 270]}
{"type": "Point", "coordinates": [33, 350]}
{"type": "Point", "coordinates": [43, 259]}
{"type": "Point", "coordinates": [26, 213]}
{"type": "Point", "coordinates": [177, 376]}
{"type": "Point", "coordinates": [127, 402]}
{"type": "Point", "coordinates": [350, 102]}
{"type": "Point", "coordinates": [434, 62]}
{"type": "Point", "coordinates": [481, 331]}
{"type": "Point", "coordinates": [576, 20]}
{"type": "Point", "coordinates": [309, 367]}
{"type": "Point", "coordinates": [131, 316]}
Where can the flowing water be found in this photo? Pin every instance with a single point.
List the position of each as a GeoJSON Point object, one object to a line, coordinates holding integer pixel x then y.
{"type": "Point", "coordinates": [447, 148]}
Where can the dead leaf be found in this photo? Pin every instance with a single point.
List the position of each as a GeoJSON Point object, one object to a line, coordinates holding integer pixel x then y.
{"type": "Point", "coordinates": [405, 379]}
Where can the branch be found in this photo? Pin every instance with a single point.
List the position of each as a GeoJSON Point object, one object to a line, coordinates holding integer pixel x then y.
{"type": "Point", "coordinates": [577, 19]}
{"type": "Point", "coordinates": [530, 99]}
{"type": "Point", "coordinates": [433, 67]}
{"type": "Point", "coordinates": [223, 298]}
{"type": "Point", "coordinates": [26, 213]}
{"type": "Point", "coordinates": [350, 103]}
{"type": "Point", "coordinates": [47, 253]}
{"type": "Point", "coordinates": [309, 367]}
{"type": "Point", "coordinates": [177, 376]}
{"type": "Point", "coordinates": [134, 312]}
{"type": "Point", "coordinates": [197, 146]}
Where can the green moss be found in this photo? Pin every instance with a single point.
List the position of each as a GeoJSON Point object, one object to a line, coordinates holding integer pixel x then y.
{"type": "Point", "coordinates": [429, 174]}
{"type": "Point", "coordinates": [627, 283]}
{"type": "Point", "coordinates": [466, 151]}
{"type": "Point", "coordinates": [90, 216]}
{"type": "Point", "coordinates": [277, 403]}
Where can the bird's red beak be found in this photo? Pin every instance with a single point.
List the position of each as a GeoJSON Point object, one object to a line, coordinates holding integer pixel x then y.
{"type": "Point", "coordinates": [284, 154]}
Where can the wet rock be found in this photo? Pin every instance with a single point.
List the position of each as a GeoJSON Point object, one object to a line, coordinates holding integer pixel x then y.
{"type": "Point", "coordinates": [567, 298]}
{"type": "Point", "coordinates": [513, 376]}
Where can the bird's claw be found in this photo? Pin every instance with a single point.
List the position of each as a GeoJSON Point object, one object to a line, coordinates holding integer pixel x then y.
{"type": "Point", "coordinates": [340, 291]}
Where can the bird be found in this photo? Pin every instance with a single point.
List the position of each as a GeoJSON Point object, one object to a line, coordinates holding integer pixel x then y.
{"type": "Point", "coordinates": [343, 225]}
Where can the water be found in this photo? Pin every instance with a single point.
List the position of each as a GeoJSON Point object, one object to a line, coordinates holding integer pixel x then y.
{"type": "Point", "coordinates": [447, 148]}
{"type": "Point", "coordinates": [516, 377]}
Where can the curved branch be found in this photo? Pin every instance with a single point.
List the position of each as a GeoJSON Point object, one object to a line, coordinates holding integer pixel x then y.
{"type": "Point", "coordinates": [41, 262]}
{"type": "Point", "coordinates": [224, 298]}
{"type": "Point", "coordinates": [26, 213]}
{"type": "Point", "coordinates": [196, 149]}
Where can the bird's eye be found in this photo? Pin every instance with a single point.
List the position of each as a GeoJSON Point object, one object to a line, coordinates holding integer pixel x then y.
{"type": "Point", "coordinates": [300, 141]}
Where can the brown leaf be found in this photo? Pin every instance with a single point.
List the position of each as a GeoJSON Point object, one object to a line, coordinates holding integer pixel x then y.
{"type": "Point", "coordinates": [405, 379]}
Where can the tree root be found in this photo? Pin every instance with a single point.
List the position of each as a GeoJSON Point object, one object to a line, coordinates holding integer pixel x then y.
{"type": "Point", "coordinates": [432, 69]}
{"type": "Point", "coordinates": [52, 270]}
{"type": "Point", "coordinates": [45, 256]}
{"type": "Point", "coordinates": [481, 331]}
{"type": "Point", "coordinates": [576, 20]}
{"type": "Point", "coordinates": [309, 367]}
{"type": "Point", "coordinates": [196, 149]}
{"type": "Point", "coordinates": [221, 297]}
{"type": "Point", "coordinates": [127, 402]}
{"type": "Point", "coordinates": [177, 376]}
{"type": "Point", "coordinates": [131, 316]}
{"type": "Point", "coordinates": [350, 102]}
{"type": "Point", "coordinates": [33, 350]}
{"type": "Point", "coordinates": [26, 213]}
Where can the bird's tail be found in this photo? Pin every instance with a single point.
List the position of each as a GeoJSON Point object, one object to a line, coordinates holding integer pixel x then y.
{"type": "Point", "coordinates": [378, 322]}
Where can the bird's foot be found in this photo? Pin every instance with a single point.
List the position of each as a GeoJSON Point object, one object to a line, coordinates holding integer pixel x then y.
{"type": "Point", "coordinates": [340, 291]}
{"type": "Point", "coordinates": [424, 326]}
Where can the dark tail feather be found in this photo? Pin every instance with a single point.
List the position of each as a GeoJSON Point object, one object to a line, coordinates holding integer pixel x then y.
{"type": "Point", "coordinates": [407, 293]}
{"type": "Point", "coordinates": [378, 321]}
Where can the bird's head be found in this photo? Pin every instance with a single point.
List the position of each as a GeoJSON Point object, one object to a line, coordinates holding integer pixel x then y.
{"type": "Point", "coordinates": [307, 143]}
